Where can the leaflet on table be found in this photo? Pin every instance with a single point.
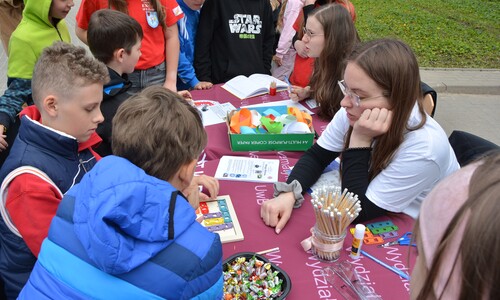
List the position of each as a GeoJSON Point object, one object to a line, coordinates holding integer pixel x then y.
{"type": "Point", "coordinates": [213, 112]}
{"type": "Point", "coordinates": [289, 103]}
{"type": "Point", "coordinates": [312, 103]}
{"type": "Point", "coordinates": [247, 169]}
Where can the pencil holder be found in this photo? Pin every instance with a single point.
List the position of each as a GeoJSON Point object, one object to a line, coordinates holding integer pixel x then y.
{"type": "Point", "coordinates": [325, 246]}
{"type": "Point", "coordinates": [334, 211]}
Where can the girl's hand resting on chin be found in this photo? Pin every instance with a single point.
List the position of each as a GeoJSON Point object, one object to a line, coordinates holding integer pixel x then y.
{"type": "Point", "coordinates": [372, 123]}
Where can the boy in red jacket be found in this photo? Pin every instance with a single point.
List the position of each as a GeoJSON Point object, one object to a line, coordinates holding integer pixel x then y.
{"type": "Point", "coordinates": [51, 153]}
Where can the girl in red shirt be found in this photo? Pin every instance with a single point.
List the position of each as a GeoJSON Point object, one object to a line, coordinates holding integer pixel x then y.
{"type": "Point", "coordinates": [328, 38]}
{"type": "Point", "coordinates": [160, 46]}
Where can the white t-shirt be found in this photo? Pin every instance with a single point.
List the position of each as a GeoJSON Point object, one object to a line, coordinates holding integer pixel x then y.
{"type": "Point", "coordinates": [421, 161]}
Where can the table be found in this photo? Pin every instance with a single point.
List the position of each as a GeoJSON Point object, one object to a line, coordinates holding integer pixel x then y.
{"type": "Point", "coordinates": [302, 267]}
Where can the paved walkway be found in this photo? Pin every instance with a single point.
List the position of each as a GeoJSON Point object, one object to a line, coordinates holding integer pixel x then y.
{"type": "Point", "coordinates": [463, 81]}
{"type": "Point", "coordinates": [468, 99]}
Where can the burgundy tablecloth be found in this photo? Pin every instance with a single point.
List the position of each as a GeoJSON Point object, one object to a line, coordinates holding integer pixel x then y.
{"type": "Point", "coordinates": [302, 267]}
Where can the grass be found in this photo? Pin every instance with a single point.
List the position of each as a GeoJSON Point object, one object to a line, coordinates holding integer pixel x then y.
{"type": "Point", "coordinates": [442, 33]}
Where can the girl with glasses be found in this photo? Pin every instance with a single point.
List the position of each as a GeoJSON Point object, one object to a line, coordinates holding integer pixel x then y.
{"type": "Point", "coordinates": [392, 153]}
{"type": "Point", "coordinates": [328, 36]}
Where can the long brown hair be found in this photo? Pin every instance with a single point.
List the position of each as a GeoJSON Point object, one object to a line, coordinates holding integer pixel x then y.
{"type": "Point", "coordinates": [346, 3]}
{"type": "Point", "coordinates": [279, 24]}
{"type": "Point", "coordinates": [394, 68]}
{"type": "Point", "coordinates": [340, 37]}
{"type": "Point", "coordinates": [479, 251]}
{"type": "Point", "coordinates": [121, 5]}
{"type": "Point", "coordinates": [274, 4]}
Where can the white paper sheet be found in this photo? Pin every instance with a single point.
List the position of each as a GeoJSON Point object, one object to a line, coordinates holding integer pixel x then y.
{"type": "Point", "coordinates": [239, 168]}
{"type": "Point", "coordinates": [213, 112]}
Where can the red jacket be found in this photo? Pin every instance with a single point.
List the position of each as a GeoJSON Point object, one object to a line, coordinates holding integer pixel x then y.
{"type": "Point", "coordinates": [32, 202]}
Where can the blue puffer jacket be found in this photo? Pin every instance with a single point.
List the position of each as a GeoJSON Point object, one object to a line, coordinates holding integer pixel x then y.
{"type": "Point", "coordinates": [122, 234]}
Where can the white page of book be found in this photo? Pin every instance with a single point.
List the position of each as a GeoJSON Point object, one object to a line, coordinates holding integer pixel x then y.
{"type": "Point", "coordinates": [265, 81]}
{"type": "Point", "coordinates": [256, 84]}
{"type": "Point", "coordinates": [243, 87]}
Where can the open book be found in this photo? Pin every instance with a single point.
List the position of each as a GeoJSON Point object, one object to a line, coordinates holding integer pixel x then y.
{"type": "Point", "coordinates": [254, 85]}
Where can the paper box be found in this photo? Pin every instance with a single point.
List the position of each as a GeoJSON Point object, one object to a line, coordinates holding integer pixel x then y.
{"type": "Point", "coordinates": [269, 141]}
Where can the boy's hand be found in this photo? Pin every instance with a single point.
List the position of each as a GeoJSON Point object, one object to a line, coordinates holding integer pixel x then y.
{"type": "Point", "coordinates": [203, 85]}
{"type": "Point", "coordinates": [277, 211]}
{"type": "Point", "coordinates": [3, 137]}
{"type": "Point", "coordinates": [186, 95]}
{"type": "Point", "coordinates": [193, 193]}
{"type": "Point", "coordinates": [209, 183]}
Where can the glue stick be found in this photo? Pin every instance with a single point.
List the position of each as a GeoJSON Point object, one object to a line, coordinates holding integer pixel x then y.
{"type": "Point", "coordinates": [357, 241]}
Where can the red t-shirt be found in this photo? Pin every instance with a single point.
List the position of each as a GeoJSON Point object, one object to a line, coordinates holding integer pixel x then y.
{"type": "Point", "coordinates": [153, 43]}
{"type": "Point", "coordinates": [303, 66]}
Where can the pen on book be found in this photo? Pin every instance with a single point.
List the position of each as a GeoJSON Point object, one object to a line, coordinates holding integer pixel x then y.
{"type": "Point", "coordinates": [394, 269]}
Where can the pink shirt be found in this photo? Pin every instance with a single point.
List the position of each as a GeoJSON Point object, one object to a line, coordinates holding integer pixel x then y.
{"type": "Point", "coordinates": [292, 11]}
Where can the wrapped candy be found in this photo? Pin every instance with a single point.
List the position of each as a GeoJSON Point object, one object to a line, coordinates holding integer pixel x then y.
{"type": "Point", "coordinates": [251, 279]}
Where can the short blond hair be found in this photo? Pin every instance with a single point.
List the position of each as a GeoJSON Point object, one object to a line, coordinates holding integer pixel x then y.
{"type": "Point", "coordinates": [62, 67]}
{"type": "Point", "coordinates": [158, 131]}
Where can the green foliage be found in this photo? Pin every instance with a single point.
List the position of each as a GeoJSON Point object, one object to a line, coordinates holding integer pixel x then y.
{"type": "Point", "coordinates": [443, 33]}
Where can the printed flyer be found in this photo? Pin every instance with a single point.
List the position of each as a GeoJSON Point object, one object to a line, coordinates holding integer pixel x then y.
{"type": "Point", "coordinates": [239, 168]}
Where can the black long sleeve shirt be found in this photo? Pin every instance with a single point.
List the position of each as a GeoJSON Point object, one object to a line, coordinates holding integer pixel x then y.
{"type": "Point", "coordinates": [234, 38]}
{"type": "Point", "coordinates": [355, 174]}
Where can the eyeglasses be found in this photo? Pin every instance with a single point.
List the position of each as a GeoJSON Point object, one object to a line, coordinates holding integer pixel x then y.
{"type": "Point", "coordinates": [347, 92]}
{"type": "Point", "coordinates": [308, 32]}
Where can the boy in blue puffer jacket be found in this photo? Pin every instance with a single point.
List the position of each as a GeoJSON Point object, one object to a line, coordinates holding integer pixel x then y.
{"type": "Point", "coordinates": [127, 231]}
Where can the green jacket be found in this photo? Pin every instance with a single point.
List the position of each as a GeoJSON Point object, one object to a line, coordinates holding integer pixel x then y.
{"type": "Point", "coordinates": [34, 33]}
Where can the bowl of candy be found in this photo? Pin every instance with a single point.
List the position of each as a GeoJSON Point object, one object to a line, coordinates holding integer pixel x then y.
{"type": "Point", "coordinates": [250, 276]}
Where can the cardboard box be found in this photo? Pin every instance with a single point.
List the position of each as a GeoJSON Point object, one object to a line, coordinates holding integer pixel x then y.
{"type": "Point", "coordinates": [269, 141]}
